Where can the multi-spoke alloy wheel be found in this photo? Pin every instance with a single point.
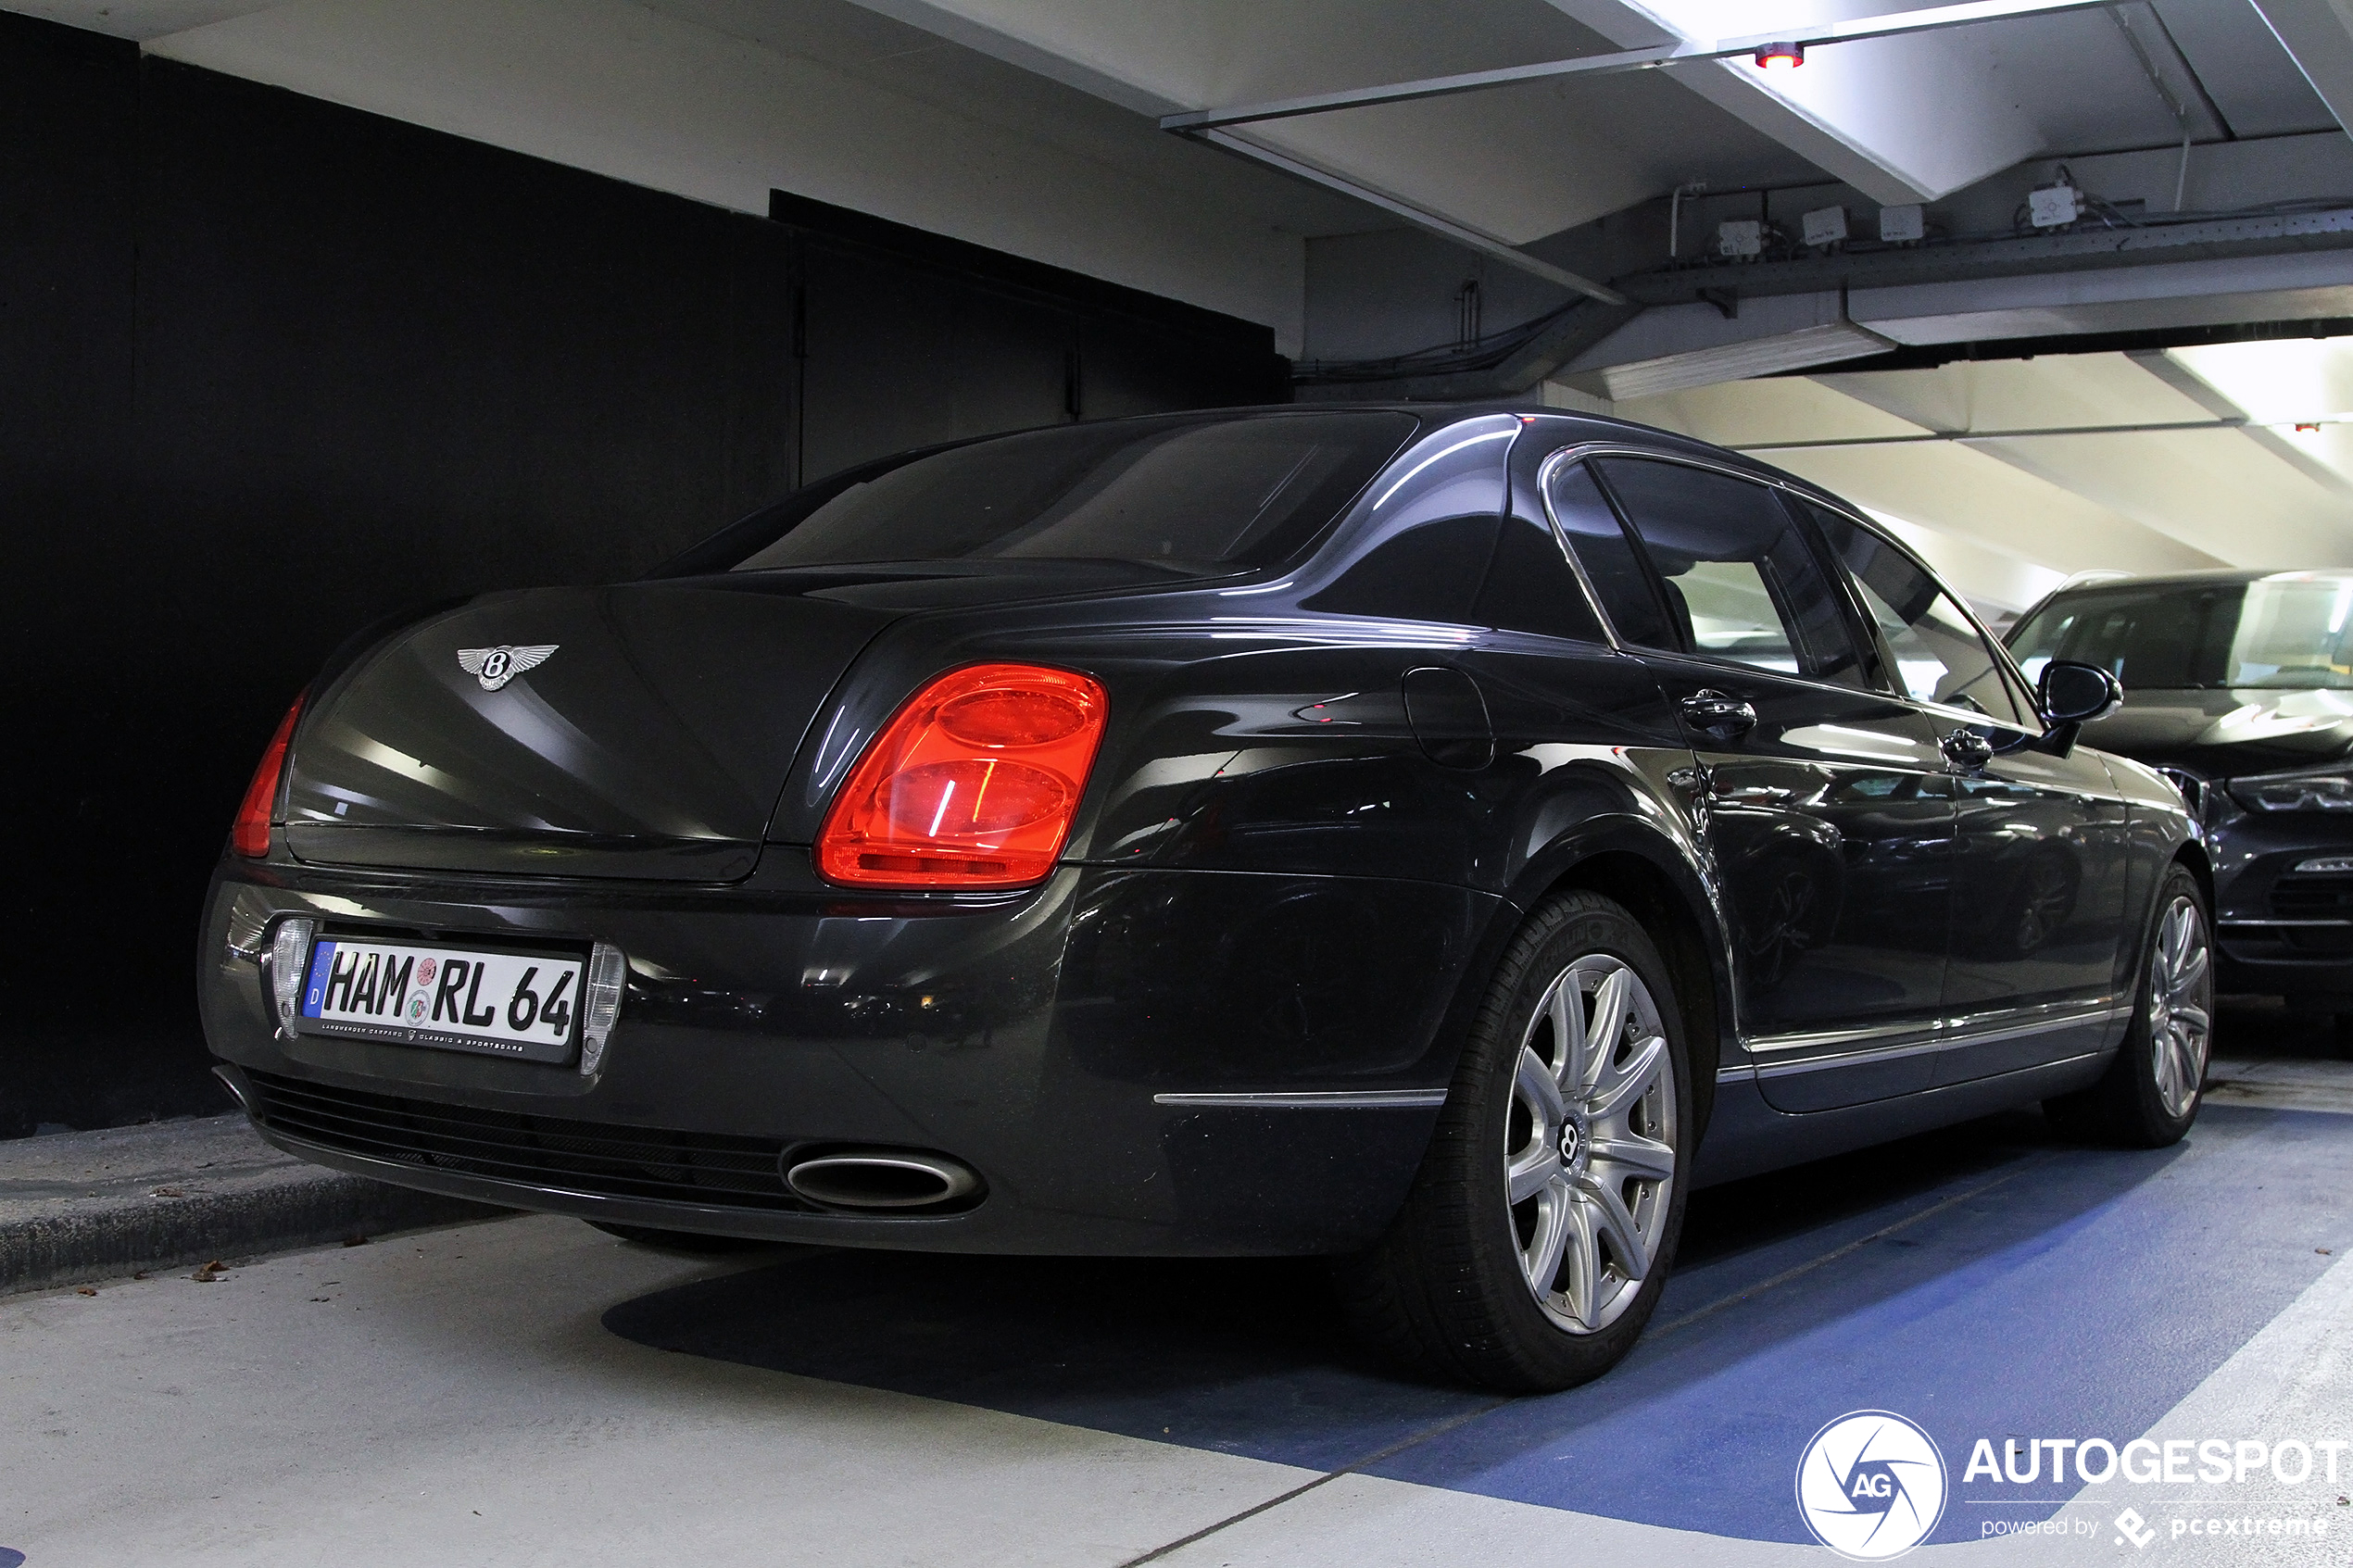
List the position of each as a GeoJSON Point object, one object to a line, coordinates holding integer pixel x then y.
{"type": "Point", "coordinates": [2153, 1088]}
{"type": "Point", "coordinates": [1542, 1223]}
{"type": "Point", "coordinates": [1589, 1155]}
{"type": "Point", "coordinates": [2181, 1005]}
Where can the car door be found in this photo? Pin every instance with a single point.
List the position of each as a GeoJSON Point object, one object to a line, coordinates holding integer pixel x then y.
{"type": "Point", "coordinates": [2041, 844]}
{"type": "Point", "coordinates": [1826, 823]}
{"type": "Point", "coordinates": [1582, 733]}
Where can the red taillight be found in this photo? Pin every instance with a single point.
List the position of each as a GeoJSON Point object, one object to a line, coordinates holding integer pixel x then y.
{"type": "Point", "coordinates": [973, 782]}
{"type": "Point", "coordinates": [251, 833]}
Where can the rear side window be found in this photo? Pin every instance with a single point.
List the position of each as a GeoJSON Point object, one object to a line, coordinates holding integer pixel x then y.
{"type": "Point", "coordinates": [1186, 493]}
{"type": "Point", "coordinates": [1529, 586]}
{"type": "Point", "coordinates": [1592, 528]}
{"type": "Point", "coordinates": [1940, 656]}
{"type": "Point", "coordinates": [1740, 580]}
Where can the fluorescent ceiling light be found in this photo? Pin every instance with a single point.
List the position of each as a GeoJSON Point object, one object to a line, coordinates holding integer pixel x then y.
{"type": "Point", "coordinates": [2283, 381]}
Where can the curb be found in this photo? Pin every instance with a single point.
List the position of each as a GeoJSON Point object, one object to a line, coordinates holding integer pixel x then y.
{"type": "Point", "coordinates": [81, 1207]}
{"type": "Point", "coordinates": [42, 1254]}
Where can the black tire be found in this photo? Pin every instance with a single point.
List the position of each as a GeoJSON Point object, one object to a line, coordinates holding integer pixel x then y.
{"type": "Point", "coordinates": [2344, 1036]}
{"type": "Point", "coordinates": [694, 1242]}
{"type": "Point", "coordinates": [1446, 1290]}
{"type": "Point", "coordinates": [2136, 1103]}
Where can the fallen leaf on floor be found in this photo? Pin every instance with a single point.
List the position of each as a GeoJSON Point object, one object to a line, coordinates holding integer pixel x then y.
{"type": "Point", "coordinates": [210, 1272]}
{"type": "Point", "coordinates": [320, 1297]}
{"type": "Point", "coordinates": [85, 1290]}
{"type": "Point", "coordinates": [167, 1192]}
{"type": "Point", "coordinates": [355, 1241]}
{"type": "Point", "coordinates": [140, 1274]}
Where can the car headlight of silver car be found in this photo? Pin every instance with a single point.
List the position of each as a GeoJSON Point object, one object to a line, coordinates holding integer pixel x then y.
{"type": "Point", "coordinates": [2330, 789]}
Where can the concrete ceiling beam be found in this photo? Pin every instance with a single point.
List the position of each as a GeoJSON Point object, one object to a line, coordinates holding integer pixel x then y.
{"type": "Point", "coordinates": [1908, 119]}
{"type": "Point", "coordinates": [2318, 35]}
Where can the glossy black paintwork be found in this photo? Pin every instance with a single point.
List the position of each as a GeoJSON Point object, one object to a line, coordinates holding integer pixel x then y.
{"type": "Point", "coordinates": [1326, 796]}
{"type": "Point", "coordinates": [652, 742]}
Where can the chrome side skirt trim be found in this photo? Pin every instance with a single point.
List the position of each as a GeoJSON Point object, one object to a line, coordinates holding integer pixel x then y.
{"type": "Point", "coordinates": [2332, 925]}
{"type": "Point", "coordinates": [1313, 1100]}
{"type": "Point", "coordinates": [1745, 1073]}
{"type": "Point", "coordinates": [1917, 1039]}
{"type": "Point", "coordinates": [1850, 1059]}
{"type": "Point", "coordinates": [1764, 1044]}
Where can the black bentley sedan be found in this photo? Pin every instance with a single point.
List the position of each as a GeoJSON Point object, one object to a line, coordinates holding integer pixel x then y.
{"type": "Point", "coordinates": [1436, 837]}
{"type": "Point", "coordinates": [2240, 690]}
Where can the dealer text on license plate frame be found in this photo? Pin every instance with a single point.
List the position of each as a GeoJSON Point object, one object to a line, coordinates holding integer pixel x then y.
{"type": "Point", "coordinates": [521, 1004]}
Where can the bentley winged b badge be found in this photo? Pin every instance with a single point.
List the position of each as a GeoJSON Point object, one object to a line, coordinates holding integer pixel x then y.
{"type": "Point", "coordinates": [494, 666]}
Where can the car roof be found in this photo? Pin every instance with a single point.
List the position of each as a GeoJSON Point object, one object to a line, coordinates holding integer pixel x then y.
{"type": "Point", "coordinates": [1594, 427]}
{"type": "Point", "coordinates": [2219, 577]}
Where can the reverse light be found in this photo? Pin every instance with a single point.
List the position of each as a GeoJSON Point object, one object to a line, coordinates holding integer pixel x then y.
{"type": "Point", "coordinates": [1780, 56]}
{"type": "Point", "coordinates": [973, 783]}
{"type": "Point", "coordinates": [2327, 791]}
{"type": "Point", "coordinates": [250, 835]}
{"type": "Point", "coordinates": [289, 956]}
{"type": "Point", "coordinates": [607, 977]}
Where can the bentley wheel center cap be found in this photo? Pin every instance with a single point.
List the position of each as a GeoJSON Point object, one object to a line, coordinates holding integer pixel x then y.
{"type": "Point", "coordinates": [1573, 1141]}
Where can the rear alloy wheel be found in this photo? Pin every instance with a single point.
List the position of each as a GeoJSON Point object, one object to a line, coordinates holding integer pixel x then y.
{"type": "Point", "coordinates": [1545, 1216]}
{"type": "Point", "coordinates": [1588, 1165]}
{"type": "Point", "coordinates": [2151, 1093]}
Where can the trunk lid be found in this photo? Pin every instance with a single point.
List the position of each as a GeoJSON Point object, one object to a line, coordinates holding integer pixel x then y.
{"type": "Point", "coordinates": [649, 740]}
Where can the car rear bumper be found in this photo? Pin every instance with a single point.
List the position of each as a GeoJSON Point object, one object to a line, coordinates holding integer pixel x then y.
{"type": "Point", "coordinates": [1134, 1061]}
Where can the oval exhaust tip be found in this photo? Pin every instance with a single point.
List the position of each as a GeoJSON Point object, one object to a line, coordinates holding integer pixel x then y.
{"type": "Point", "coordinates": [881, 1179]}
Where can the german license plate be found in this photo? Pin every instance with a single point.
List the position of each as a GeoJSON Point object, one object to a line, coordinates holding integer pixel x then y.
{"type": "Point", "coordinates": [520, 1005]}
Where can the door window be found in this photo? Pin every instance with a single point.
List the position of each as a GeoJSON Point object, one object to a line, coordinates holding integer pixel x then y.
{"type": "Point", "coordinates": [1940, 655]}
{"type": "Point", "coordinates": [1603, 549]}
{"type": "Point", "coordinates": [1739, 579]}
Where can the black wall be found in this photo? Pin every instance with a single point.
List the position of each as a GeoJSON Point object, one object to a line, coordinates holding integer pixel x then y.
{"type": "Point", "coordinates": [275, 369]}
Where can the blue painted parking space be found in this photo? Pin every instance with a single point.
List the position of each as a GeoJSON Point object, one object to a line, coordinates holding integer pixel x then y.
{"type": "Point", "coordinates": [1985, 1281]}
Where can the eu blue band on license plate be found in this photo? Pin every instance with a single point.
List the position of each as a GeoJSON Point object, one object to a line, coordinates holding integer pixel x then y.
{"type": "Point", "coordinates": [523, 1006]}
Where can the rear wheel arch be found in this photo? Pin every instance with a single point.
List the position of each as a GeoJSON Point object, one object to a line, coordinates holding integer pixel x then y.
{"type": "Point", "coordinates": [1643, 869]}
{"type": "Point", "coordinates": [1695, 963]}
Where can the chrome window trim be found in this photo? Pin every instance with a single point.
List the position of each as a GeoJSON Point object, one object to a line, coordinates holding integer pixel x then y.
{"type": "Point", "coordinates": [1553, 463]}
{"type": "Point", "coordinates": [1576, 452]}
{"type": "Point", "coordinates": [1311, 1099]}
{"type": "Point", "coordinates": [1806, 680]}
{"type": "Point", "coordinates": [2007, 666]}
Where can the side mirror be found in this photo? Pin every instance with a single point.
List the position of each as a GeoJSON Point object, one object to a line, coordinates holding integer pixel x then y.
{"type": "Point", "coordinates": [2071, 695]}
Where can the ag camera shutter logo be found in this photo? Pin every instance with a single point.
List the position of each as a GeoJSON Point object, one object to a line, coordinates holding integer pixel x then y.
{"type": "Point", "coordinates": [1870, 1486]}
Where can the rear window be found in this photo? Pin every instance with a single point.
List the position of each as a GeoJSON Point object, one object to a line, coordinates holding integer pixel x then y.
{"type": "Point", "coordinates": [1187, 493]}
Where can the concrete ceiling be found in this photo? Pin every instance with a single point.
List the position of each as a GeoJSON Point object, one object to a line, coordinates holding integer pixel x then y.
{"type": "Point", "coordinates": [2014, 473]}
{"type": "Point", "coordinates": [2211, 131]}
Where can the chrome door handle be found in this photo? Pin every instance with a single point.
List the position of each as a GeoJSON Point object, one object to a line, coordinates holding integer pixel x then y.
{"type": "Point", "coordinates": [1967, 750]}
{"type": "Point", "coordinates": [1717, 716]}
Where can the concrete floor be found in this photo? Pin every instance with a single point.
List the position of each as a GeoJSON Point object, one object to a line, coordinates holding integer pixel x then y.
{"type": "Point", "coordinates": [532, 1391]}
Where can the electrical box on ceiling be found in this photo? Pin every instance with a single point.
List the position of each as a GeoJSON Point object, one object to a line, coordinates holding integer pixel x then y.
{"type": "Point", "coordinates": [1739, 236]}
{"type": "Point", "coordinates": [1900, 225]}
{"type": "Point", "coordinates": [2053, 205]}
{"type": "Point", "coordinates": [1826, 226]}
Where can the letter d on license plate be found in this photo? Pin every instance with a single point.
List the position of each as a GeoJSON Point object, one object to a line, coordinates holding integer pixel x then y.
{"type": "Point", "coordinates": [520, 1005]}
